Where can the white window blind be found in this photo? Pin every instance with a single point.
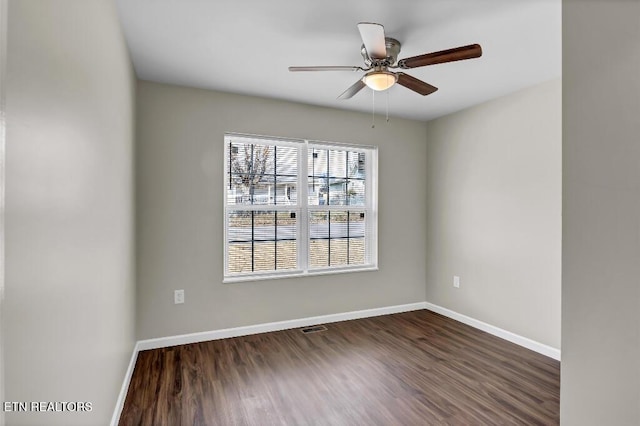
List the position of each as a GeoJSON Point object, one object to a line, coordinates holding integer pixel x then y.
{"type": "Point", "coordinates": [298, 207]}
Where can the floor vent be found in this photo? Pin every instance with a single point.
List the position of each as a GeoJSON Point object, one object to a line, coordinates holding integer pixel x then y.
{"type": "Point", "coordinates": [314, 329]}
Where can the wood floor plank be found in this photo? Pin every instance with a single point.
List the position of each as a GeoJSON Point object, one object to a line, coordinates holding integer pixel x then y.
{"type": "Point", "coordinates": [414, 368]}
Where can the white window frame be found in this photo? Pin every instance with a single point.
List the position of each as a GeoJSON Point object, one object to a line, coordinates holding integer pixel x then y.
{"type": "Point", "coordinates": [302, 208]}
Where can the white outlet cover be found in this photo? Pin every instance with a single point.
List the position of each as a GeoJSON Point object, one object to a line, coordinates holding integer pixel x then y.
{"type": "Point", "coordinates": [456, 281]}
{"type": "Point", "coordinates": [178, 296]}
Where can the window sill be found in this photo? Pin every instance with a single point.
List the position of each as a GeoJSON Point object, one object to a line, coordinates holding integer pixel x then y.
{"type": "Point", "coordinates": [298, 274]}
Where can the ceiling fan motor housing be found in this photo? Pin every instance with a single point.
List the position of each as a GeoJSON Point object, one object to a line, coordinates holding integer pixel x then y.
{"type": "Point", "coordinates": [393, 50]}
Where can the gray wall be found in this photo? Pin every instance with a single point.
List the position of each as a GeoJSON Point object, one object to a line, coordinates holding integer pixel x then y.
{"type": "Point", "coordinates": [3, 84]}
{"type": "Point", "coordinates": [179, 173]}
{"type": "Point", "coordinates": [69, 318]}
{"type": "Point", "coordinates": [494, 212]}
{"type": "Point", "coordinates": [601, 213]}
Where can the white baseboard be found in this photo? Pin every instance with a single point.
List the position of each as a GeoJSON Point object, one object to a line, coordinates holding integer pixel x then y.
{"type": "Point", "coordinates": [204, 336]}
{"type": "Point", "coordinates": [225, 333]}
{"type": "Point", "coordinates": [125, 387]}
{"type": "Point", "coordinates": [496, 331]}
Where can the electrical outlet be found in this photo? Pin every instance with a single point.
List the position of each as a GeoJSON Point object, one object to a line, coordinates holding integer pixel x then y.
{"type": "Point", "coordinates": [178, 296]}
{"type": "Point", "coordinates": [456, 281]}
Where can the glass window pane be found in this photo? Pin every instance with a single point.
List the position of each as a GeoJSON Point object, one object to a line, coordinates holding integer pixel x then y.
{"type": "Point", "coordinates": [264, 226]}
{"type": "Point", "coordinates": [264, 256]}
{"type": "Point", "coordinates": [287, 226]}
{"type": "Point", "coordinates": [286, 160]}
{"type": "Point", "coordinates": [273, 234]}
{"type": "Point", "coordinates": [263, 162]}
{"type": "Point", "coordinates": [318, 189]}
{"type": "Point", "coordinates": [239, 226]}
{"type": "Point", "coordinates": [357, 165]}
{"type": "Point", "coordinates": [317, 162]}
{"type": "Point", "coordinates": [319, 225]}
{"type": "Point", "coordinates": [283, 192]}
{"type": "Point", "coordinates": [356, 224]}
{"type": "Point", "coordinates": [356, 251]}
{"type": "Point", "coordinates": [338, 254]}
{"type": "Point", "coordinates": [239, 259]}
{"type": "Point", "coordinates": [338, 164]}
{"type": "Point", "coordinates": [251, 159]}
{"type": "Point", "coordinates": [337, 238]}
{"type": "Point", "coordinates": [251, 189]}
{"type": "Point", "coordinates": [336, 177]}
{"type": "Point", "coordinates": [262, 174]}
{"type": "Point", "coordinates": [337, 191]}
{"type": "Point", "coordinates": [286, 190]}
{"type": "Point", "coordinates": [286, 255]}
{"type": "Point", "coordinates": [338, 224]}
{"type": "Point", "coordinates": [318, 253]}
{"type": "Point", "coordinates": [355, 192]}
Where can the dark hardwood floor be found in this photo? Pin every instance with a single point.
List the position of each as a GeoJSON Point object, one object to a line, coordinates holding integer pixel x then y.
{"type": "Point", "coordinates": [414, 368]}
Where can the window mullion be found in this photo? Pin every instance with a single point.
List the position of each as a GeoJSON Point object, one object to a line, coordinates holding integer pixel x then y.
{"type": "Point", "coordinates": [371, 220]}
{"type": "Point", "coordinates": [253, 242]}
{"type": "Point", "coordinates": [348, 225]}
{"type": "Point", "coordinates": [329, 238]}
{"type": "Point", "coordinates": [275, 213]}
{"type": "Point", "coordinates": [275, 175]}
{"type": "Point", "coordinates": [250, 171]}
{"type": "Point", "coordinates": [303, 208]}
{"type": "Point", "coordinates": [328, 181]}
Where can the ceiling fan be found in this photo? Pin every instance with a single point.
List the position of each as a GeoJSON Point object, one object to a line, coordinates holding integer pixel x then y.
{"type": "Point", "coordinates": [380, 54]}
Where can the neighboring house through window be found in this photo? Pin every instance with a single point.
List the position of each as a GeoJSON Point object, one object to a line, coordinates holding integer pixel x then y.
{"type": "Point", "coordinates": [298, 207]}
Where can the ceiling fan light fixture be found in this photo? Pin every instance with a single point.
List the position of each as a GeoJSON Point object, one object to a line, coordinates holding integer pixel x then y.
{"type": "Point", "coordinates": [380, 80]}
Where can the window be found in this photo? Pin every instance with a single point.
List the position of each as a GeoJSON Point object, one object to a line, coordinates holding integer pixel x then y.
{"type": "Point", "coordinates": [297, 207]}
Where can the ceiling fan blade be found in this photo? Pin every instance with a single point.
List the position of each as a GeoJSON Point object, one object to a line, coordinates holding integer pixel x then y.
{"type": "Point", "coordinates": [326, 68]}
{"type": "Point", "coordinates": [416, 85]}
{"type": "Point", "coordinates": [450, 55]}
{"type": "Point", "coordinates": [373, 39]}
{"type": "Point", "coordinates": [355, 88]}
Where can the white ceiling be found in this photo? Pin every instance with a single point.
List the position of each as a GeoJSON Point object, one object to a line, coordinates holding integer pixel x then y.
{"type": "Point", "coordinates": [245, 46]}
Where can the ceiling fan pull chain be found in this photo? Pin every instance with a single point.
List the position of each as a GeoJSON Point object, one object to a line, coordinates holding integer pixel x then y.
{"type": "Point", "coordinates": [387, 105]}
{"type": "Point", "coordinates": [373, 109]}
